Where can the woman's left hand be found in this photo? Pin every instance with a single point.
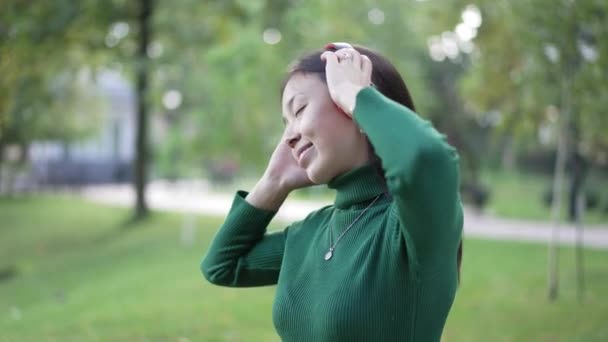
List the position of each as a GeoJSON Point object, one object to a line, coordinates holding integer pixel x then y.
{"type": "Point", "coordinates": [347, 73]}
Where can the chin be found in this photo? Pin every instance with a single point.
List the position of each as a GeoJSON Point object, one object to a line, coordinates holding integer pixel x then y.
{"type": "Point", "coordinates": [315, 177]}
{"type": "Point", "coordinates": [319, 175]}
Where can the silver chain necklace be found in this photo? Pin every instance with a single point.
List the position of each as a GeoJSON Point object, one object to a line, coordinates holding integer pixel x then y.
{"type": "Point", "coordinates": [330, 252]}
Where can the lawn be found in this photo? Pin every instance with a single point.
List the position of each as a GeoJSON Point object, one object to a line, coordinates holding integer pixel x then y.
{"type": "Point", "coordinates": [80, 274]}
{"type": "Point", "coordinates": [519, 195]}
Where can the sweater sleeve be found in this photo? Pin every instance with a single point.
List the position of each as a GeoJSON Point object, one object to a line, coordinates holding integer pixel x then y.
{"type": "Point", "coordinates": [242, 253]}
{"type": "Point", "coordinates": [422, 174]}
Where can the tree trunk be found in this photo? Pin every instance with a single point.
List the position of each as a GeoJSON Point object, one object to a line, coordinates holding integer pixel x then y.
{"type": "Point", "coordinates": [578, 174]}
{"type": "Point", "coordinates": [141, 158]}
{"type": "Point", "coordinates": [509, 158]}
{"type": "Point", "coordinates": [558, 183]}
{"type": "Point", "coordinates": [580, 267]}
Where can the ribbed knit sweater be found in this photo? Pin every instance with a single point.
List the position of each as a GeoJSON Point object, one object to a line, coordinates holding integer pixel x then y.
{"type": "Point", "coordinates": [393, 275]}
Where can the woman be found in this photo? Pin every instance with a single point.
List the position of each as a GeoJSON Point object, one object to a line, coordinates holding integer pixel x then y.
{"type": "Point", "coordinates": [382, 262]}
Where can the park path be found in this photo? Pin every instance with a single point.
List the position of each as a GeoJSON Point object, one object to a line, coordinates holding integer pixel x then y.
{"type": "Point", "coordinates": [199, 198]}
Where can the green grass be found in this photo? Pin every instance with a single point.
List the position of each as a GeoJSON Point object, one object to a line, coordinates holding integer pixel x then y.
{"type": "Point", "coordinates": [519, 195]}
{"type": "Point", "coordinates": [503, 296]}
{"type": "Point", "coordinates": [84, 276]}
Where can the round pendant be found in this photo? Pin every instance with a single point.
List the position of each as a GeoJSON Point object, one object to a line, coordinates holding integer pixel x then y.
{"type": "Point", "coordinates": [328, 255]}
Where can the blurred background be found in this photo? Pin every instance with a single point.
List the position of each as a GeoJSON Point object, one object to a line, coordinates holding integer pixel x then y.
{"type": "Point", "coordinates": [127, 126]}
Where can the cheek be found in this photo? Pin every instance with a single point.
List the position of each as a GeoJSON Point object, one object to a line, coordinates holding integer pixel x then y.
{"type": "Point", "coordinates": [326, 128]}
{"type": "Point", "coordinates": [312, 125]}
{"type": "Point", "coordinates": [334, 142]}
{"type": "Point", "coordinates": [339, 110]}
{"type": "Point", "coordinates": [320, 132]}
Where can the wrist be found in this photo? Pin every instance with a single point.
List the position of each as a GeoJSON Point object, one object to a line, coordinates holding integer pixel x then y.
{"type": "Point", "coordinates": [267, 194]}
{"type": "Point", "coordinates": [347, 97]}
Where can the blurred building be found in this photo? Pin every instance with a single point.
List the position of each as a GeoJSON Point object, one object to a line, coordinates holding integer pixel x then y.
{"type": "Point", "coordinates": [104, 158]}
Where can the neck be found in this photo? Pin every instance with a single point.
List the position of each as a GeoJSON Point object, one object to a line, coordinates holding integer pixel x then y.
{"type": "Point", "coordinates": [357, 186]}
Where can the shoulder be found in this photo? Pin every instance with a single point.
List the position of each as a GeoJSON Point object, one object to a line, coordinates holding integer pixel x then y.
{"type": "Point", "coordinates": [312, 221]}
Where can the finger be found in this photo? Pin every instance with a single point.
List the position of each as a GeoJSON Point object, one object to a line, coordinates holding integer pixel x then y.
{"type": "Point", "coordinates": [349, 55]}
{"type": "Point", "coordinates": [330, 59]}
{"type": "Point", "coordinates": [355, 56]}
{"type": "Point", "coordinates": [325, 56]}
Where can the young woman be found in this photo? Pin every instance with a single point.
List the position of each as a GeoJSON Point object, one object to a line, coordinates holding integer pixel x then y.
{"type": "Point", "coordinates": [382, 262]}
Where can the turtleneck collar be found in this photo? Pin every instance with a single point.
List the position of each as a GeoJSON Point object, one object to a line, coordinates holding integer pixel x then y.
{"type": "Point", "coordinates": [357, 185]}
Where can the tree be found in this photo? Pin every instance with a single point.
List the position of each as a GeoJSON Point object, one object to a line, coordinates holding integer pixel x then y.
{"type": "Point", "coordinates": [142, 71]}
{"type": "Point", "coordinates": [535, 61]}
{"type": "Point", "coordinates": [39, 88]}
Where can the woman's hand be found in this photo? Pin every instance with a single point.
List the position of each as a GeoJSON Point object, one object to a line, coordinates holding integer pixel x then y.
{"type": "Point", "coordinates": [347, 73]}
{"type": "Point", "coordinates": [284, 170]}
{"type": "Point", "coordinates": [282, 175]}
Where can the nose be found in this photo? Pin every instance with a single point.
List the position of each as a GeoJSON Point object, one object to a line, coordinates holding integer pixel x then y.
{"type": "Point", "coordinates": [291, 137]}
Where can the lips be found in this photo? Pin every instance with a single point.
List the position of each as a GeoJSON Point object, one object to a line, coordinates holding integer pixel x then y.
{"type": "Point", "coordinates": [301, 151]}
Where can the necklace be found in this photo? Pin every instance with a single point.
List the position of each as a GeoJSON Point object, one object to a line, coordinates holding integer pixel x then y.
{"type": "Point", "coordinates": [330, 252]}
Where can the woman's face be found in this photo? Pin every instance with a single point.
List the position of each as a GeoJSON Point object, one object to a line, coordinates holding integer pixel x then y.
{"type": "Point", "coordinates": [324, 141]}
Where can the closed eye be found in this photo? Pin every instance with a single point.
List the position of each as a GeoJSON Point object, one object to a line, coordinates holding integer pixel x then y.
{"type": "Point", "coordinates": [300, 110]}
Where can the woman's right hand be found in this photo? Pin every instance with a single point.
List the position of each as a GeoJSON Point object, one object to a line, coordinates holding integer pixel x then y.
{"type": "Point", "coordinates": [282, 175]}
{"type": "Point", "coordinates": [284, 169]}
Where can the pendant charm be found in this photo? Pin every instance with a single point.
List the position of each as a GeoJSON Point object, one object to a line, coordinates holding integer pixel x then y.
{"type": "Point", "coordinates": [329, 254]}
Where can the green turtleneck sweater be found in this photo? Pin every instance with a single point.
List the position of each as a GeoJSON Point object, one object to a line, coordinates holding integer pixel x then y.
{"type": "Point", "coordinates": [393, 275]}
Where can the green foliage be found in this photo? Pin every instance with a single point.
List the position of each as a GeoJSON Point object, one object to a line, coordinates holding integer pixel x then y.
{"type": "Point", "coordinates": [43, 45]}
{"type": "Point", "coordinates": [532, 56]}
{"type": "Point", "coordinates": [214, 54]}
{"type": "Point", "coordinates": [230, 78]}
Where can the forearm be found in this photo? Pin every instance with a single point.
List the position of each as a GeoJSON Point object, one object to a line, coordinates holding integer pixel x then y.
{"type": "Point", "coordinates": [242, 253]}
{"type": "Point", "coordinates": [267, 194]}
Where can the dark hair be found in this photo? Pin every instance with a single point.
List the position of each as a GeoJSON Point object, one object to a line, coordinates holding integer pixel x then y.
{"type": "Point", "coordinates": [385, 78]}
